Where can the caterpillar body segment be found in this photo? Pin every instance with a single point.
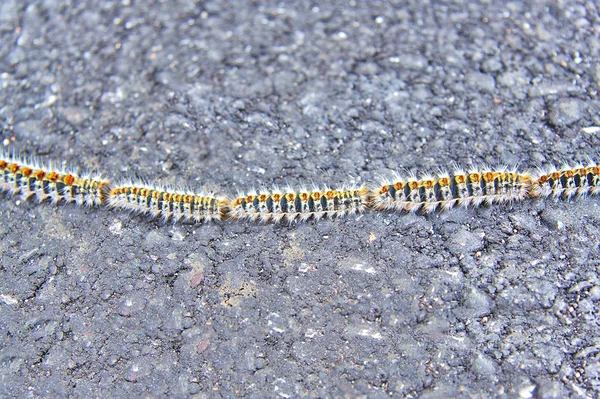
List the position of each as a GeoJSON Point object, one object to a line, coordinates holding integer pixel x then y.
{"type": "Point", "coordinates": [87, 190]}
{"type": "Point", "coordinates": [30, 179]}
{"type": "Point", "coordinates": [445, 190]}
{"type": "Point", "coordinates": [566, 182]}
{"type": "Point", "coordinates": [168, 203]}
{"type": "Point", "coordinates": [288, 204]}
{"type": "Point", "coordinates": [503, 185]}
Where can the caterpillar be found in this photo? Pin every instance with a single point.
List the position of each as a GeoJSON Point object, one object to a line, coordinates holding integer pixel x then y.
{"type": "Point", "coordinates": [427, 193]}
{"type": "Point", "coordinates": [446, 190]}
{"type": "Point", "coordinates": [290, 205]}
{"type": "Point", "coordinates": [26, 179]}
{"type": "Point", "coordinates": [168, 203]}
{"type": "Point", "coordinates": [566, 182]}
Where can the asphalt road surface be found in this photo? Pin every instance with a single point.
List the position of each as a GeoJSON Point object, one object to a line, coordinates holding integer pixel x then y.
{"type": "Point", "coordinates": [496, 301]}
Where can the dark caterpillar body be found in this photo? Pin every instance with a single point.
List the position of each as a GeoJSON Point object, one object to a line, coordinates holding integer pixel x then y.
{"type": "Point", "coordinates": [275, 205]}
{"type": "Point", "coordinates": [445, 190]}
{"type": "Point", "coordinates": [28, 179]}
{"type": "Point", "coordinates": [168, 203]}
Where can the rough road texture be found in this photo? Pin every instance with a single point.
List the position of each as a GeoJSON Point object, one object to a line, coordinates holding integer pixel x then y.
{"type": "Point", "coordinates": [498, 301]}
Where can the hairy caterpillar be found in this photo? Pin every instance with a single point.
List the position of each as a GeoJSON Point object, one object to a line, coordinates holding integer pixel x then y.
{"type": "Point", "coordinates": [567, 181]}
{"type": "Point", "coordinates": [168, 203]}
{"type": "Point", "coordinates": [427, 193]}
{"type": "Point", "coordinates": [446, 190]}
{"type": "Point", "coordinates": [27, 179]}
{"type": "Point", "coordinates": [289, 204]}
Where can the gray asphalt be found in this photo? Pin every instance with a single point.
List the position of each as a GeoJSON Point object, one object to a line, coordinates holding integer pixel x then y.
{"type": "Point", "coordinates": [497, 301]}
